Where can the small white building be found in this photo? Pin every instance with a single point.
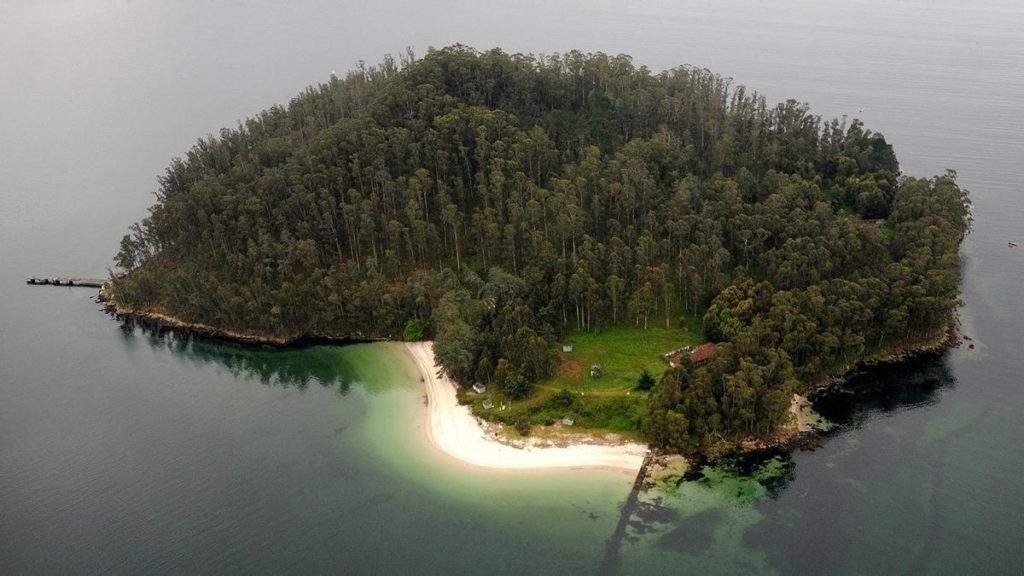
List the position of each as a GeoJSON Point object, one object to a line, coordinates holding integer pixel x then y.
{"type": "Point", "coordinates": [479, 388]}
{"type": "Point", "coordinates": [566, 348]}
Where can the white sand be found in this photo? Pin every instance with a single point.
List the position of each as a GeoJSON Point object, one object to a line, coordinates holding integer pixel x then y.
{"type": "Point", "coordinates": [455, 431]}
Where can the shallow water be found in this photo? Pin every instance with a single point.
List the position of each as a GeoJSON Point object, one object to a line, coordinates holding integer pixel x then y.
{"type": "Point", "coordinates": [123, 452]}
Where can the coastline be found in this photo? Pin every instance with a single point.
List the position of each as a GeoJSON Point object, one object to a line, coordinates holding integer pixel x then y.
{"type": "Point", "coordinates": [453, 430]}
{"type": "Point", "coordinates": [805, 428]}
{"type": "Point", "coordinates": [164, 321]}
{"type": "Point", "coordinates": [450, 427]}
{"type": "Point", "coordinates": [934, 343]}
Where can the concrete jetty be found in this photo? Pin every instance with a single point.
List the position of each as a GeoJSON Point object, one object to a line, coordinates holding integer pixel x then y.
{"type": "Point", "coordinates": [641, 475]}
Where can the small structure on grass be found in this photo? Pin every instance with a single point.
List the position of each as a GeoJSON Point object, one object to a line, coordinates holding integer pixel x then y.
{"type": "Point", "coordinates": [488, 404]}
{"type": "Point", "coordinates": [567, 421]}
{"type": "Point", "coordinates": [595, 371]}
{"type": "Point", "coordinates": [479, 388]}
{"type": "Point", "coordinates": [566, 348]}
{"type": "Point", "coordinates": [698, 355]}
{"type": "Point", "coordinates": [702, 353]}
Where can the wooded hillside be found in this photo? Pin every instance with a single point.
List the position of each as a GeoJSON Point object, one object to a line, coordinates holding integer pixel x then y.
{"type": "Point", "coordinates": [495, 202]}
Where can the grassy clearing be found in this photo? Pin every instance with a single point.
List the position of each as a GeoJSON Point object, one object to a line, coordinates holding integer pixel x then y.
{"type": "Point", "coordinates": [622, 353]}
{"type": "Point", "coordinates": [609, 402]}
{"type": "Point", "coordinates": [606, 413]}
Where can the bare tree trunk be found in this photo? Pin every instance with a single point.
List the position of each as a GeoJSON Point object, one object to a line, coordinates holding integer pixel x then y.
{"type": "Point", "coordinates": [458, 257]}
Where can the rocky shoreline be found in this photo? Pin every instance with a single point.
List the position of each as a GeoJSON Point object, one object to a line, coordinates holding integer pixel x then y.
{"type": "Point", "coordinates": [933, 343]}
{"type": "Point", "coordinates": [799, 436]}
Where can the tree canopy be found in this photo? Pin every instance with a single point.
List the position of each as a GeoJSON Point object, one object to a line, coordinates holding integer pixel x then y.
{"type": "Point", "coordinates": [496, 201]}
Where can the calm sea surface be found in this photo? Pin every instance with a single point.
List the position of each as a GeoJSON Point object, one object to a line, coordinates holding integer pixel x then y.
{"type": "Point", "coordinates": [127, 453]}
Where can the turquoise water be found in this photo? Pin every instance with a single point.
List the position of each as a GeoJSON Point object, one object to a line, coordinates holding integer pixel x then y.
{"type": "Point", "coordinates": [129, 453]}
{"type": "Point", "coordinates": [155, 454]}
{"type": "Point", "coordinates": [132, 452]}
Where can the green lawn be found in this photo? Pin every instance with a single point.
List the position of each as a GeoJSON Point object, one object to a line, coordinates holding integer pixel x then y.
{"type": "Point", "coordinates": [591, 412]}
{"type": "Point", "coordinates": [622, 353]}
{"type": "Point", "coordinates": [609, 402]}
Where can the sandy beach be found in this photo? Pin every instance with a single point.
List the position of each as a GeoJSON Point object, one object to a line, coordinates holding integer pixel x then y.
{"type": "Point", "coordinates": [455, 431]}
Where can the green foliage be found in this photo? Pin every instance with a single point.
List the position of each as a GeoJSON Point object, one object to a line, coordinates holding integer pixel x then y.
{"type": "Point", "coordinates": [511, 379]}
{"type": "Point", "coordinates": [887, 233]}
{"type": "Point", "coordinates": [645, 381]}
{"type": "Point", "coordinates": [742, 391]}
{"type": "Point", "coordinates": [523, 427]}
{"type": "Point", "coordinates": [514, 201]}
{"type": "Point", "coordinates": [613, 413]}
{"type": "Point", "coordinates": [563, 399]}
{"type": "Point", "coordinates": [616, 413]}
{"type": "Point", "coordinates": [415, 330]}
{"type": "Point", "coordinates": [819, 319]}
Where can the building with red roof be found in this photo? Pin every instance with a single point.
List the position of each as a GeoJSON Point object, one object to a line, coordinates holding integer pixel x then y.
{"type": "Point", "coordinates": [702, 353]}
{"type": "Point", "coordinates": [698, 355]}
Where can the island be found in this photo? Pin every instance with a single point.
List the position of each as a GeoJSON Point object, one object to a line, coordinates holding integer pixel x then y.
{"type": "Point", "coordinates": [592, 249]}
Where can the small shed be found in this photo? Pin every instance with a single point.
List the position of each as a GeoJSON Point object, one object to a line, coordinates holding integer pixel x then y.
{"type": "Point", "coordinates": [479, 388]}
{"type": "Point", "coordinates": [566, 348]}
{"type": "Point", "coordinates": [595, 371]}
{"type": "Point", "coordinates": [488, 404]}
{"type": "Point", "coordinates": [567, 421]}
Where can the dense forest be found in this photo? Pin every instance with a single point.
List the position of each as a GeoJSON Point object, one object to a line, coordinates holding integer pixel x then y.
{"type": "Point", "coordinates": [497, 202]}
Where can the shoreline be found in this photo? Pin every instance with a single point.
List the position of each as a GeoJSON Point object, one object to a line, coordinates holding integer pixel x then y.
{"type": "Point", "coordinates": [450, 427]}
{"type": "Point", "coordinates": [805, 428]}
{"type": "Point", "coordinates": [453, 430]}
{"type": "Point", "coordinates": [159, 320]}
{"type": "Point", "coordinates": [934, 343]}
